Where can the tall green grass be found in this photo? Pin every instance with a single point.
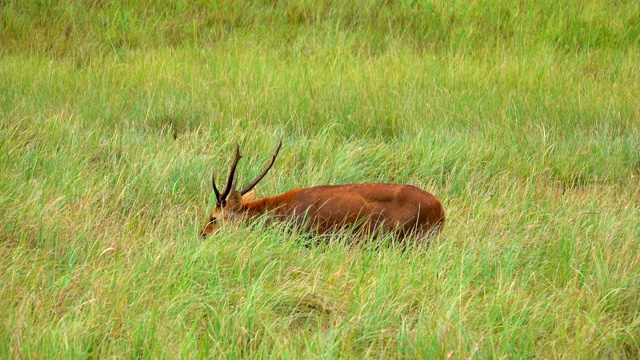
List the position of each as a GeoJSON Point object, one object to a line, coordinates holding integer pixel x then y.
{"type": "Point", "coordinates": [522, 118]}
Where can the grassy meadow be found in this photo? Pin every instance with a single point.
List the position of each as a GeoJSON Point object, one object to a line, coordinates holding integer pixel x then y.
{"type": "Point", "coordinates": [523, 118]}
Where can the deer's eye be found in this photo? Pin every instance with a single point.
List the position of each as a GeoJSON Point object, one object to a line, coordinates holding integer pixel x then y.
{"type": "Point", "coordinates": [212, 219]}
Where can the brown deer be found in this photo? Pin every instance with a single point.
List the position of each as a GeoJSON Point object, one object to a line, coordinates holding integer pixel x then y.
{"type": "Point", "coordinates": [366, 208]}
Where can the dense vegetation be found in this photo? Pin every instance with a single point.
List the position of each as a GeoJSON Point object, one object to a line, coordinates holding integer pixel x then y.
{"type": "Point", "coordinates": [522, 117]}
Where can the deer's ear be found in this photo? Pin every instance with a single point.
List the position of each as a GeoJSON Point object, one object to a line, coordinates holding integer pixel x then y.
{"type": "Point", "coordinates": [234, 201]}
{"type": "Point", "coordinates": [250, 196]}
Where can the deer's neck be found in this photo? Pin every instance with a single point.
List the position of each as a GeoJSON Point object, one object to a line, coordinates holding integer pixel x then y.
{"type": "Point", "coordinates": [257, 207]}
{"type": "Point", "coordinates": [281, 204]}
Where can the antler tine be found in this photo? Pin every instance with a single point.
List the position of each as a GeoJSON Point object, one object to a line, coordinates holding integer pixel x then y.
{"type": "Point", "coordinates": [257, 180]}
{"type": "Point", "coordinates": [227, 188]}
{"type": "Point", "coordinates": [219, 200]}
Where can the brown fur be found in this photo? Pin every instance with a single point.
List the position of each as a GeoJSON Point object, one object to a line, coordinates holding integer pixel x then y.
{"type": "Point", "coordinates": [401, 209]}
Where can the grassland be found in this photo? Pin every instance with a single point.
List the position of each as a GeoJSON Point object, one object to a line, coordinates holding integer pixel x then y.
{"type": "Point", "coordinates": [523, 118]}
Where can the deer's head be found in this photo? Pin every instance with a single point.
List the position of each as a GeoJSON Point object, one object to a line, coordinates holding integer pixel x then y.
{"type": "Point", "coordinates": [230, 202]}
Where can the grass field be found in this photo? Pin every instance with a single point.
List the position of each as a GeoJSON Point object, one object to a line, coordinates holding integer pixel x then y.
{"type": "Point", "coordinates": [524, 119]}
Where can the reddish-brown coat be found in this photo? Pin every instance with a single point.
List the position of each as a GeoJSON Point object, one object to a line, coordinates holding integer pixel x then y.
{"type": "Point", "coordinates": [365, 208]}
{"type": "Point", "coordinates": [402, 209]}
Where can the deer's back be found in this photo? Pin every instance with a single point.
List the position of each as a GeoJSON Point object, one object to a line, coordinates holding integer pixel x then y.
{"type": "Point", "coordinates": [401, 208]}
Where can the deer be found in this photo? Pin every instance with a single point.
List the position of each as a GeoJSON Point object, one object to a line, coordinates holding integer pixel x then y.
{"type": "Point", "coordinates": [367, 208]}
